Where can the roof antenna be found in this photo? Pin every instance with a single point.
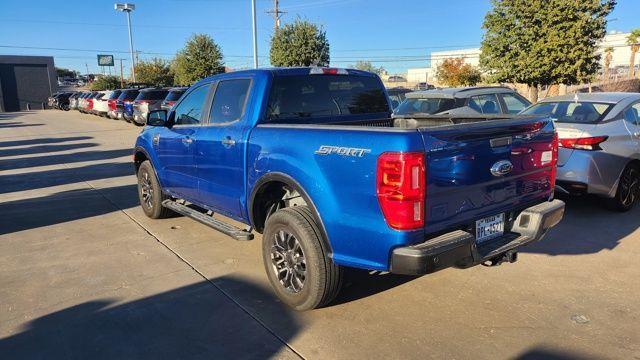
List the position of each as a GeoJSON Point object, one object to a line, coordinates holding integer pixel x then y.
{"type": "Point", "coordinates": [575, 98]}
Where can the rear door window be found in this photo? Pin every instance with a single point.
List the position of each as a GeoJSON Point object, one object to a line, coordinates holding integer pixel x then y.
{"type": "Point", "coordinates": [485, 104]}
{"type": "Point", "coordinates": [514, 104]}
{"type": "Point", "coordinates": [229, 100]}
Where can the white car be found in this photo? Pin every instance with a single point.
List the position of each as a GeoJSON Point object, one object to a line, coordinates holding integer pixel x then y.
{"type": "Point", "coordinates": [100, 103]}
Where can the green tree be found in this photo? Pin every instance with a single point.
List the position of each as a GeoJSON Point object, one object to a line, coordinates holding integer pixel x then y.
{"type": "Point", "coordinates": [543, 42]}
{"type": "Point", "coordinates": [201, 57]}
{"type": "Point", "coordinates": [155, 71]}
{"type": "Point", "coordinates": [299, 44]}
{"type": "Point", "coordinates": [367, 66]}
{"type": "Point", "coordinates": [454, 72]}
{"type": "Point", "coordinates": [633, 40]}
{"type": "Point", "coordinates": [108, 82]}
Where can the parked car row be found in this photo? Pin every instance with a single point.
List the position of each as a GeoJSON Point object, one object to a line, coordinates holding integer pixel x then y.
{"type": "Point", "coordinates": [599, 133]}
{"type": "Point", "coordinates": [132, 104]}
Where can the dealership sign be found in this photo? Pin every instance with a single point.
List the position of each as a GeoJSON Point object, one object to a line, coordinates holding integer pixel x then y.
{"type": "Point", "coordinates": [105, 60]}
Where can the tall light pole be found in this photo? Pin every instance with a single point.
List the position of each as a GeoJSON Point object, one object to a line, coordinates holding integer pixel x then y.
{"type": "Point", "coordinates": [255, 34]}
{"type": "Point", "coordinates": [128, 8]}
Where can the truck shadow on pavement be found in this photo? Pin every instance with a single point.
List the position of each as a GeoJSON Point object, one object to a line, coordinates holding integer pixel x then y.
{"type": "Point", "coordinates": [194, 321]}
{"type": "Point", "coordinates": [64, 206]}
{"type": "Point", "coordinates": [588, 227]}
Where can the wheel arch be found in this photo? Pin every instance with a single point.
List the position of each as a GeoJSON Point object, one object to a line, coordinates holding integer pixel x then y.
{"type": "Point", "coordinates": [261, 193]}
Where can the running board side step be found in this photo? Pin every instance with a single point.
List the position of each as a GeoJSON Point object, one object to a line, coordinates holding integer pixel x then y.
{"type": "Point", "coordinates": [223, 227]}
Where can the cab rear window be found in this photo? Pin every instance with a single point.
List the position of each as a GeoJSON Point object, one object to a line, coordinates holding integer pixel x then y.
{"type": "Point", "coordinates": [299, 98]}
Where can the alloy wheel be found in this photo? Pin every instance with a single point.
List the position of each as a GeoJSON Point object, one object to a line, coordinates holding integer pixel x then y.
{"type": "Point", "coordinates": [629, 187]}
{"type": "Point", "coordinates": [147, 190]}
{"type": "Point", "coordinates": [288, 261]}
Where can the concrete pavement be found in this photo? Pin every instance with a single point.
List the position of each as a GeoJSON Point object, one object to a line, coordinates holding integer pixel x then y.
{"type": "Point", "coordinates": [84, 274]}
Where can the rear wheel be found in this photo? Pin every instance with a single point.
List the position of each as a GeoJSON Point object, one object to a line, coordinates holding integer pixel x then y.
{"type": "Point", "coordinates": [628, 189]}
{"type": "Point", "coordinates": [296, 260]}
{"type": "Point", "coordinates": [150, 193]}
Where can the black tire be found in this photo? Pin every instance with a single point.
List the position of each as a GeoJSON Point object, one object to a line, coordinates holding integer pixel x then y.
{"type": "Point", "coordinates": [628, 189]}
{"type": "Point", "coordinates": [322, 278]}
{"type": "Point", "coordinates": [148, 186]}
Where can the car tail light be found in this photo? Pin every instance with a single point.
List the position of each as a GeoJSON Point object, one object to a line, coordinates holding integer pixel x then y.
{"type": "Point", "coordinates": [401, 189]}
{"type": "Point", "coordinates": [112, 105]}
{"type": "Point", "coordinates": [140, 102]}
{"type": "Point", "coordinates": [328, 71]}
{"type": "Point", "coordinates": [554, 160]}
{"type": "Point", "coordinates": [169, 103]}
{"type": "Point", "coordinates": [90, 104]}
{"type": "Point", "coordinates": [586, 143]}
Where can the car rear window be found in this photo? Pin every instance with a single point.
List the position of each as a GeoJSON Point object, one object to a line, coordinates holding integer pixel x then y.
{"type": "Point", "coordinates": [152, 95]}
{"type": "Point", "coordinates": [425, 106]}
{"type": "Point", "coordinates": [128, 95]}
{"type": "Point", "coordinates": [174, 95]}
{"type": "Point", "coordinates": [298, 98]}
{"type": "Point", "coordinates": [115, 94]}
{"type": "Point", "coordinates": [579, 112]}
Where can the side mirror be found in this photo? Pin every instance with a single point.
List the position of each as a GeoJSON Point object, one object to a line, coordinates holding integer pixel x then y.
{"type": "Point", "coordinates": [157, 118]}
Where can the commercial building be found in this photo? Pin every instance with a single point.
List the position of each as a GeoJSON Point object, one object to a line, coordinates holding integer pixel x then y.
{"type": "Point", "coordinates": [615, 40]}
{"type": "Point", "coordinates": [26, 82]}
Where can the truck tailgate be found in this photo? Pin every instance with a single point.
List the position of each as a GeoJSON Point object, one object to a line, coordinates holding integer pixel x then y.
{"type": "Point", "coordinates": [468, 175]}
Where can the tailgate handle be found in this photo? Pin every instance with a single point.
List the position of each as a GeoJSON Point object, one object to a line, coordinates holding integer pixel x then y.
{"type": "Point", "coordinates": [498, 142]}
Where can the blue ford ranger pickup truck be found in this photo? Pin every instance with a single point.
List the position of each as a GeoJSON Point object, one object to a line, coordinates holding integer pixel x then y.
{"type": "Point", "coordinates": [313, 159]}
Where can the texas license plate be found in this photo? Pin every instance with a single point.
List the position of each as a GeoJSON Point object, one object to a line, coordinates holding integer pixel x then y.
{"type": "Point", "coordinates": [489, 228]}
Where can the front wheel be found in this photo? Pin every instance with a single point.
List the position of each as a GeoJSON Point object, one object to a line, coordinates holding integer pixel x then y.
{"type": "Point", "coordinates": [628, 189]}
{"type": "Point", "coordinates": [150, 193]}
{"type": "Point", "coordinates": [296, 260]}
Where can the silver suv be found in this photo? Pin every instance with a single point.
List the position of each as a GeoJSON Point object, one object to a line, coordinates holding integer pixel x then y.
{"type": "Point", "coordinates": [599, 137]}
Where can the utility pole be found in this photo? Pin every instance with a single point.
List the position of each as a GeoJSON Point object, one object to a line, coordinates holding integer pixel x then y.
{"type": "Point", "coordinates": [128, 8]}
{"type": "Point", "coordinates": [121, 75]}
{"type": "Point", "coordinates": [276, 13]}
{"type": "Point", "coordinates": [255, 34]}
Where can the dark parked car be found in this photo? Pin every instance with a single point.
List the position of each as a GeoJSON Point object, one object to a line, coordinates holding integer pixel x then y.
{"type": "Point", "coordinates": [464, 101]}
{"type": "Point", "coordinates": [173, 96]}
{"type": "Point", "coordinates": [146, 101]}
{"type": "Point", "coordinates": [124, 104]}
{"type": "Point", "coordinates": [62, 101]}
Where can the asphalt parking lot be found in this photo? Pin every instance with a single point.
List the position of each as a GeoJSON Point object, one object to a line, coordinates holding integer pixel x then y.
{"type": "Point", "coordinates": [84, 274]}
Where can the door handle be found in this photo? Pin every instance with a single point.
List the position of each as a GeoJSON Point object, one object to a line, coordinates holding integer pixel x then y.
{"type": "Point", "coordinates": [228, 142]}
{"type": "Point", "coordinates": [187, 140]}
{"type": "Point", "coordinates": [637, 134]}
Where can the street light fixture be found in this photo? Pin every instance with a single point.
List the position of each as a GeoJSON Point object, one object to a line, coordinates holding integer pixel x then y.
{"type": "Point", "coordinates": [128, 8]}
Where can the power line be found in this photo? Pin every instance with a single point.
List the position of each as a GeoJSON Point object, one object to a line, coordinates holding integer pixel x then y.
{"type": "Point", "coordinates": [191, 27]}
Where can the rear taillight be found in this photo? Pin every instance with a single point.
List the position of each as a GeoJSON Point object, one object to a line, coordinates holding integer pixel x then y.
{"type": "Point", "coordinates": [586, 143]}
{"type": "Point", "coordinates": [554, 160]}
{"type": "Point", "coordinates": [111, 104]}
{"type": "Point", "coordinates": [169, 103]}
{"type": "Point", "coordinates": [141, 102]}
{"type": "Point", "coordinates": [400, 186]}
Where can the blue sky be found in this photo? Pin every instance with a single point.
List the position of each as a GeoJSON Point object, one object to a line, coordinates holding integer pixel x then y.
{"type": "Point", "coordinates": [394, 34]}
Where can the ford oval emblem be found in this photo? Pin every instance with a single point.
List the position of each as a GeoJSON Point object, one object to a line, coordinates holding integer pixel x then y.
{"type": "Point", "coordinates": [501, 168]}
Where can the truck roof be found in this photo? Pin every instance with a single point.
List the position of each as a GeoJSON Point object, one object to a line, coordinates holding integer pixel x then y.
{"type": "Point", "coordinates": [281, 71]}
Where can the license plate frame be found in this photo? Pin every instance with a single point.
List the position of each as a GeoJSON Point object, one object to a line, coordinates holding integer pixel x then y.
{"type": "Point", "coordinates": [489, 228]}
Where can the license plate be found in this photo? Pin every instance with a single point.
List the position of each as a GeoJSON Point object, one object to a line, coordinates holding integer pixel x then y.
{"type": "Point", "coordinates": [489, 228]}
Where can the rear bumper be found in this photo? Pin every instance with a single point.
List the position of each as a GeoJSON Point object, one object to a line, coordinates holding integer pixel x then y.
{"type": "Point", "coordinates": [594, 172]}
{"type": "Point", "coordinates": [459, 248]}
